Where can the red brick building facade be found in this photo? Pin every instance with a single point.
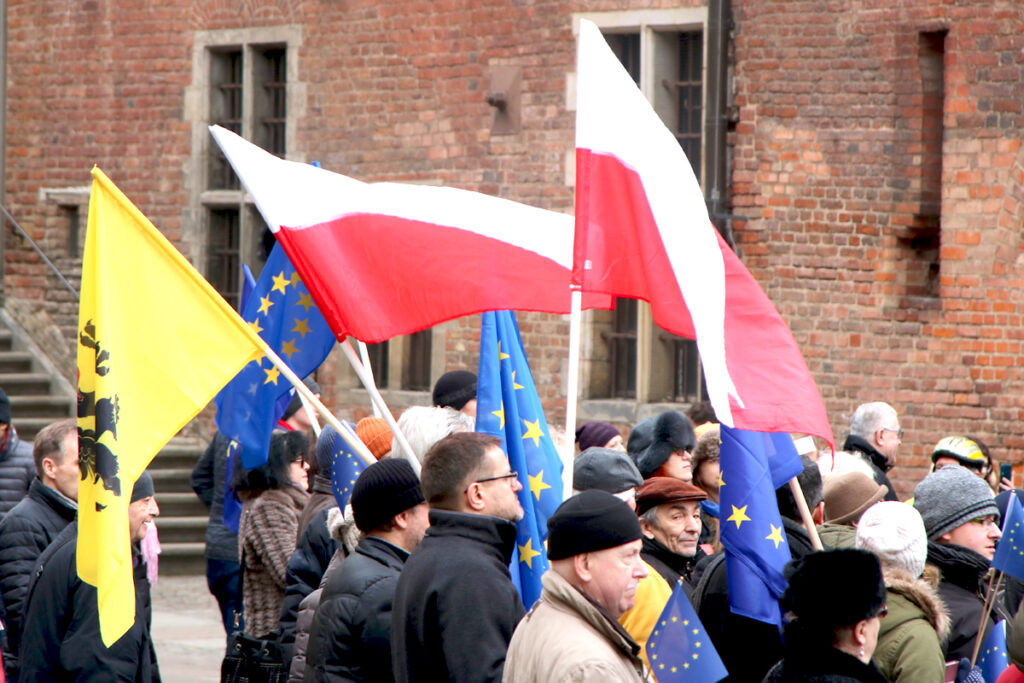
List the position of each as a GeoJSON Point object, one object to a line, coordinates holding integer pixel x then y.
{"type": "Point", "coordinates": [873, 170]}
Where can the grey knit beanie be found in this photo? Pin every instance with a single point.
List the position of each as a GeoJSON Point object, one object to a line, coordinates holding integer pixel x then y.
{"type": "Point", "coordinates": [895, 533]}
{"type": "Point", "coordinates": [951, 497]}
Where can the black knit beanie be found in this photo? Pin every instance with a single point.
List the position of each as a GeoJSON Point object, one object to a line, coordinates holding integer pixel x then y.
{"type": "Point", "coordinates": [296, 403]}
{"type": "Point", "coordinates": [590, 521]}
{"type": "Point", "coordinates": [143, 487]}
{"type": "Point", "coordinates": [5, 408]}
{"type": "Point", "coordinates": [454, 389]}
{"type": "Point", "coordinates": [384, 489]}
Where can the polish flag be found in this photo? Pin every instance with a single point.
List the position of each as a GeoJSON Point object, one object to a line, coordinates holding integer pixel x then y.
{"type": "Point", "coordinates": [384, 259]}
{"type": "Point", "coordinates": [642, 231]}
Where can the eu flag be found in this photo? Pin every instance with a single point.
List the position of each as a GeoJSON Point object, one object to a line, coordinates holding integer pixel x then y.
{"type": "Point", "coordinates": [679, 649]}
{"type": "Point", "coordinates": [507, 407]}
{"type": "Point", "coordinates": [346, 464]}
{"type": "Point", "coordinates": [1009, 555]}
{"type": "Point", "coordinates": [284, 315]}
{"type": "Point", "coordinates": [753, 465]}
{"type": "Point", "coordinates": [993, 658]}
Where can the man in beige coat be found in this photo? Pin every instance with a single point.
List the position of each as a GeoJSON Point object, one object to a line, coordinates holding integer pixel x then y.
{"type": "Point", "coordinates": [572, 632]}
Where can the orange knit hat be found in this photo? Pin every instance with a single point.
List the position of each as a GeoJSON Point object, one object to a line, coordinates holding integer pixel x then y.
{"type": "Point", "coordinates": [375, 433]}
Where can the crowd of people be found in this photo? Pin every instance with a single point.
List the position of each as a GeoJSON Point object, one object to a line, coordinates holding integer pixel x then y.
{"type": "Point", "coordinates": [410, 581]}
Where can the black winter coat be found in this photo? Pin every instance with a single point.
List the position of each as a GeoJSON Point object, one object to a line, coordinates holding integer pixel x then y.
{"type": "Point", "coordinates": [62, 624]}
{"type": "Point", "coordinates": [350, 637]}
{"type": "Point", "coordinates": [961, 588]}
{"type": "Point", "coordinates": [306, 568]}
{"type": "Point", "coordinates": [208, 482]}
{"type": "Point", "coordinates": [455, 605]}
{"type": "Point", "coordinates": [24, 534]}
{"type": "Point", "coordinates": [879, 463]}
{"type": "Point", "coordinates": [17, 470]}
{"type": "Point", "coordinates": [671, 566]}
{"type": "Point", "coordinates": [748, 648]}
{"type": "Point", "coordinates": [822, 665]}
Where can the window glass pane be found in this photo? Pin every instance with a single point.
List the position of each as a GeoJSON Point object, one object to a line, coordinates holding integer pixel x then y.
{"type": "Point", "coordinates": [416, 364]}
{"type": "Point", "coordinates": [224, 267]}
{"type": "Point", "coordinates": [626, 47]}
{"type": "Point", "coordinates": [270, 99]}
{"type": "Point", "coordinates": [225, 111]}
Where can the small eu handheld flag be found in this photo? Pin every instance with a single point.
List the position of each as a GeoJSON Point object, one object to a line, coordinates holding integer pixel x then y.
{"type": "Point", "coordinates": [679, 649]}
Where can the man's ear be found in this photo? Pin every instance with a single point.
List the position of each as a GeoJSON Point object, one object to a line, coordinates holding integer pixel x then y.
{"type": "Point", "coordinates": [474, 497]}
{"type": "Point", "coordinates": [49, 467]}
{"type": "Point", "coordinates": [581, 563]}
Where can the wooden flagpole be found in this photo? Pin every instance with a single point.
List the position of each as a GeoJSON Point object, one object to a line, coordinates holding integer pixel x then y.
{"type": "Point", "coordinates": [572, 391]}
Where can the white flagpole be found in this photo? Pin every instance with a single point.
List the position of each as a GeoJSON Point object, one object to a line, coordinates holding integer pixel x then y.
{"type": "Point", "coordinates": [572, 391]}
{"type": "Point", "coordinates": [364, 356]}
{"type": "Point", "coordinates": [378, 400]}
{"type": "Point", "coordinates": [311, 411]}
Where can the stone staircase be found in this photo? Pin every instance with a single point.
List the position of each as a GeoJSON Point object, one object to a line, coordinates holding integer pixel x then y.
{"type": "Point", "coordinates": [40, 395]}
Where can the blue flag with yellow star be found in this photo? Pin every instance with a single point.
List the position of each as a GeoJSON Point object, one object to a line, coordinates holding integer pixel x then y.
{"type": "Point", "coordinates": [753, 465]}
{"type": "Point", "coordinates": [346, 464]}
{"type": "Point", "coordinates": [507, 406]}
{"type": "Point", "coordinates": [679, 648]}
{"type": "Point", "coordinates": [284, 315]}
{"type": "Point", "coordinates": [1009, 557]}
{"type": "Point", "coordinates": [993, 657]}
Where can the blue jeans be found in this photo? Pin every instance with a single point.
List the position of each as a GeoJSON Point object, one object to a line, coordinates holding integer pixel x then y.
{"type": "Point", "coordinates": [224, 578]}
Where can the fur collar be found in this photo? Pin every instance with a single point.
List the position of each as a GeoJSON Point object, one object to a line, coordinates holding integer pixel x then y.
{"type": "Point", "coordinates": [923, 593]}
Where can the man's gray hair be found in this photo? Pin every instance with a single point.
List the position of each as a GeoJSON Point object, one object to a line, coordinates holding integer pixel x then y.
{"type": "Point", "coordinates": [651, 517]}
{"type": "Point", "coordinates": [870, 417]}
{"type": "Point", "coordinates": [423, 426]}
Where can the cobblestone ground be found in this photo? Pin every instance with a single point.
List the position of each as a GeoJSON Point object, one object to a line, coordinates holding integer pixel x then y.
{"type": "Point", "coordinates": [187, 630]}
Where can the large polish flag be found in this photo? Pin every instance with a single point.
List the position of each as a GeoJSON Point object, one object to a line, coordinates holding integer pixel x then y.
{"type": "Point", "coordinates": [384, 259]}
{"type": "Point", "coordinates": [642, 231]}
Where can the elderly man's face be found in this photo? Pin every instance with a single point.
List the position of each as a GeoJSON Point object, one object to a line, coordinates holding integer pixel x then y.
{"type": "Point", "coordinates": [140, 512]}
{"type": "Point", "coordinates": [677, 528]}
{"type": "Point", "coordinates": [615, 573]}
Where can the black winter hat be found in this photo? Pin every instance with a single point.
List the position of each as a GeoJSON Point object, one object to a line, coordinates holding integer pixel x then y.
{"type": "Point", "coordinates": [590, 521]}
{"type": "Point", "coordinates": [384, 489]}
{"type": "Point", "coordinates": [5, 408]}
{"type": "Point", "coordinates": [296, 403]}
{"type": "Point", "coordinates": [454, 389]}
{"type": "Point", "coordinates": [812, 596]}
{"type": "Point", "coordinates": [670, 431]}
{"type": "Point", "coordinates": [143, 487]}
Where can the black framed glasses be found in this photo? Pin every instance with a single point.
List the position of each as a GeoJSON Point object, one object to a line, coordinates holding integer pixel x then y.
{"type": "Point", "coordinates": [510, 475]}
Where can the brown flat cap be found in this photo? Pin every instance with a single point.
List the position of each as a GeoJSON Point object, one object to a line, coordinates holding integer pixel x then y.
{"type": "Point", "coordinates": [660, 490]}
{"type": "Point", "coordinates": [849, 495]}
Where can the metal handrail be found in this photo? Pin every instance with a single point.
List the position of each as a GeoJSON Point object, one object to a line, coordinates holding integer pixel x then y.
{"type": "Point", "coordinates": [40, 252]}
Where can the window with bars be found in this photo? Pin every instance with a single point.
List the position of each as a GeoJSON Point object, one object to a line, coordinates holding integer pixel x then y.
{"type": "Point", "coordinates": [247, 91]}
{"type": "Point", "coordinates": [639, 354]}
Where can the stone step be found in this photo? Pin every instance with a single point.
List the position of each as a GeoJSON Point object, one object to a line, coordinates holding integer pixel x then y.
{"type": "Point", "coordinates": [6, 339]}
{"type": "Point", "coordinates": [21, 384]}
{"type": "Point", "coordinates": [178, 455]}
{"type": "Point", "coordinates": [179, 504]}
{"type": "Point", "coordinates": [41, 405]}
{"type": "Point", "coordinates": [181, 529]}
{"type": "Point", "coordinates": [15, 361]}
{"type": "Point", "coordinates": [171, 480]}
{"type": "Point", "coordinates": [182, 559]}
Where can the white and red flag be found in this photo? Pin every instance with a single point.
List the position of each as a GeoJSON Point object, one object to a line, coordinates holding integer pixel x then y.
{"type": "Point", "coordinates": [384, 259]}
{"type": "Point", "coordinates": [642, 231]}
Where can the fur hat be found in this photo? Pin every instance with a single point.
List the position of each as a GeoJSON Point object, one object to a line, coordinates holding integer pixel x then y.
{"type": "Point", "coordinates": [595, 434]}
{"type": "Point", "coordinates": [605, 469]}
{"type": "Point", "coordinates": [671, 431]}
{"type": "Point", "coordinates": [812, 595]}
{"type": "Point", "coordinates": [951, 497]}
{"type": "Point", "coordinates": [454, 389]}
{"type": "Point", "coordinates": [849, 495]}
{"type": "Point", "coordinates": [709, 441]}
{"type": "Point", "coordinates": [894, 531]}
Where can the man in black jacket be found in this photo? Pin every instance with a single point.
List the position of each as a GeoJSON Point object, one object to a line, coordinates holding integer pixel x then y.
{"type": "Point", "coordinates": [16, 467]}
{"type": "Point", "coordinates": [455, 605]}
{"type": "Point", "coordinates": [875, 435]}
{"type": "Point", "coordinates": [62, 616]}
{"type": "Point", "coordinates": [669, 511]}
{"type": "Point", "coordinates": [51, 504]}
{"type": "Point", "coordinates": [350, 636]}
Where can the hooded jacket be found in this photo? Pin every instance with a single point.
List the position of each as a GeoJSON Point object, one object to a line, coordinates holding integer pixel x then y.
{"type": "Point", "coordinates": [879, 463]}
{"type": "Point", "coordinates": [455, 606]}
{"type": "Point", "coordinates": [909, 646]}
{"type": "Point", "coordinates": [568, 637]}
{"type": "Point", "coordinates": [25, 533]}
{"type": "Point", "coordinates": [62, 624]}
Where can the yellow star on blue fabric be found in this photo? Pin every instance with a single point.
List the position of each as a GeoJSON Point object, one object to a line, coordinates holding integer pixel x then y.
{"type": "Point", "coordinates": [295, 279]}
{"type": "Point", "coordinates": [739, 515]}
{"type": "Point", "coordinates": [305, 300]}
{"type": "Point", "coordinates": [514, 385]}
{"type": "Point", "coordinates": [501, 355]}
{"type": "Point", "coordinates": [302, 327]}
{"type": "Point", "coordinates": [500, 412]}
{"type": "Point", "coordinates": [255, 325]}
{"type": "Point", "coordinates": [280, 283]}
{"type": "Point", "coordinates": [289, 348]}
{"type": "Point", "coordinates": [265, 304]}
{"type": "Point", "coordinates": [775, 535]}
{"type": "Point", "coordinates": [537, 483]}
{"type": "Point", "coordinates": [272, 375]}
{"type": "Point", "coordinates": [527, 553]}
{"type": "Point", "coordinates": [533, 431]}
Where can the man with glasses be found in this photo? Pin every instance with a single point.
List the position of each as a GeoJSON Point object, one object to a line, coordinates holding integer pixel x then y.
{"type": "Point", "coordinates": [875, 435]}
{"type": "Point", "coordinates": [455, 606]}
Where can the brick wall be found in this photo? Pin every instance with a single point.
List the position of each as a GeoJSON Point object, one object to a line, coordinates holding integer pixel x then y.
{"type": "Point", "coordinates": [835, 165]}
